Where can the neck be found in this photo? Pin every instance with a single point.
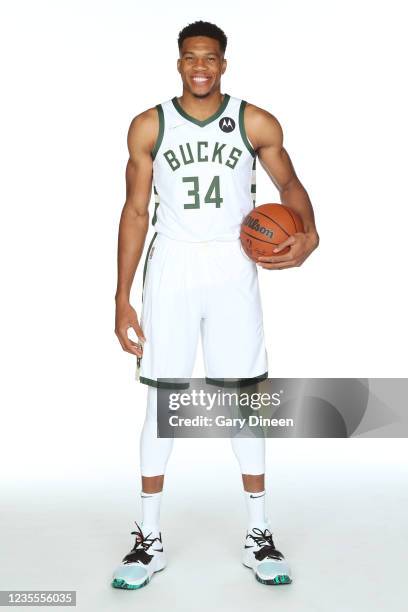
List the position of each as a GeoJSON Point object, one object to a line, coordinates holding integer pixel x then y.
{"type": "Point", "coordinates": [201, 107]}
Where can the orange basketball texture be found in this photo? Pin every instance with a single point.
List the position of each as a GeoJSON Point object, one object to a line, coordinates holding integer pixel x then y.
{"type": "Point", "coordinates": [266, 227]}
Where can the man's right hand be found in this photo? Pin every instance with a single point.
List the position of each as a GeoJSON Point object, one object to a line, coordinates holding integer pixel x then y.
{"type": "Point", "coordinates": [125, 319]}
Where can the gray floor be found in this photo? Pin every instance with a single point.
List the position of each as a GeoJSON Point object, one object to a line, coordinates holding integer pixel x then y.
{"type": "Point", "coordinates": [343, 527]}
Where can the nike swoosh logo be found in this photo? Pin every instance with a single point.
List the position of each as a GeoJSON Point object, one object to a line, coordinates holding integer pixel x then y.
{"type": "Point", "coordinates": [146, 495]}
{"type": "Point", "coordinates": [159, 550]}
{"type": "Point", "coordinates": [248, 546]}
{"type": "Point", "coordinates": [256, 496]}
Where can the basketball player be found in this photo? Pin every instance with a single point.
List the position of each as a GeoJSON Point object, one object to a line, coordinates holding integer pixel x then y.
{"type": "Point", "coordinates": [200, 151]}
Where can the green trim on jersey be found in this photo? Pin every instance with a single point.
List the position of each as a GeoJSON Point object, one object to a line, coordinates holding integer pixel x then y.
{"type": "Point", "coordinates": [147, 257]}
{"type": "Point", "coordinates": [238, 382]}
{"type": "Point", "coordinates": [156, 205]}
{"type": "Point", "coordinates": [253, 182]}
{"type": "Point", "coordinates": [163, 385]}
{"type": "Point", "coordinates": [161, 131]}
{"type": "Point", "coordinates": [242, 128]}
{"type": "Point", "coordinates": [206, 121]}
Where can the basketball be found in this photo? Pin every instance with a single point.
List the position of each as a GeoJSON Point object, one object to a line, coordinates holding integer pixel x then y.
{"type": "Point", "coordinates": [266, 227]}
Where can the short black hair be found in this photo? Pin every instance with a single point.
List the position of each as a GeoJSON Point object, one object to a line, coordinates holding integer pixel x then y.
{"type": "Point", "coordinates": [203, 28]}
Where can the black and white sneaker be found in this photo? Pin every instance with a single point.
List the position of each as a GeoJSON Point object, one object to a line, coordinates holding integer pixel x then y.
{"type": "Point", "coordinates": [145, 558]}
{"type": "Point", "coordinates": [260, 554]}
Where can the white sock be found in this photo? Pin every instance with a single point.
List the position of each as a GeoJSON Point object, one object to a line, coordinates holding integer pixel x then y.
{"type": "Point", "coordinates": [255, 503]}
{"type": "Point", "coordinates": [151, 510]}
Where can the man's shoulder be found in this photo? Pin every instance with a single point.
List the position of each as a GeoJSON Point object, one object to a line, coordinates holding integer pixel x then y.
{"type": "Point", "coordinates": [259, 115]}
{"type": "Point", "coordinates": [261, 125]}
{"type": "Point", "coordinates": [145, 119]}
{"type": "Point", "coordinates": [144, 128]}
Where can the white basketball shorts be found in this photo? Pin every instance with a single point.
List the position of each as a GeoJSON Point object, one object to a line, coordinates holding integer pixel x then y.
{"type": "Point", "coordinates": [201, 287]}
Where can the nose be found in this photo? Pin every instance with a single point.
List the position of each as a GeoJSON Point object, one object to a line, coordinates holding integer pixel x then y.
{"type": "Point", "coordinates": [199, 63]}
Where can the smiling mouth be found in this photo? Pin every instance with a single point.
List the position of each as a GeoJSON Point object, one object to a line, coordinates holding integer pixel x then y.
{"type": "Point", "coordinates": [199, 80]}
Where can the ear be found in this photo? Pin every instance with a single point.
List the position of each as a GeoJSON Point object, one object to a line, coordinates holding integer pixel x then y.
{"type": "Point", "coordinates": [224, 66]}
{"type": "Point", "coordinates": [178, 64]}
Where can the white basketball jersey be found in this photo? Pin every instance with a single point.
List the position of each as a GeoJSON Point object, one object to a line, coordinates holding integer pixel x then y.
{"type": "Point", "coordinates": [203, 173]}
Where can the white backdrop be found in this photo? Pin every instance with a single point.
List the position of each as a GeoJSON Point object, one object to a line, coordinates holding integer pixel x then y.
{"type": "Point", "coordinates": [74, 76]}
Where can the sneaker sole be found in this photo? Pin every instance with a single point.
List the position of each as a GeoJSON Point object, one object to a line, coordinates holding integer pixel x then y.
{"type": "Point", "coordinates": [120, 583]}
{"type": "Point", "coordinates": [275, 581]}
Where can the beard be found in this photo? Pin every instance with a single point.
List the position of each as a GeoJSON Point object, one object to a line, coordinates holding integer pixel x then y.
{"type": "Point", "coordinates": [205, 95]}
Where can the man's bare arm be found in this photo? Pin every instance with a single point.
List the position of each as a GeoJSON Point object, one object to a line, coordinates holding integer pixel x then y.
{"type": "Point", "coordinates": [134, 222]}
{"type": "Point", "coordinates": [266, 136]}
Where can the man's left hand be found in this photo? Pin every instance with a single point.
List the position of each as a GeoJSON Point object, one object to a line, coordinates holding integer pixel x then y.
{"type": "Point", "coordinates": [300, 244]}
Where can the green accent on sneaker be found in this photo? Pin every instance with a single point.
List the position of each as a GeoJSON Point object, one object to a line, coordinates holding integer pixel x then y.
{"type": "Point", "coordinates": [281, 579]}
{"type": "Point", "coordinates": [120, 583]}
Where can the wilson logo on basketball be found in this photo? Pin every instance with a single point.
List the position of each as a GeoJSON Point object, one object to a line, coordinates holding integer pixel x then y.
{"type": "Point", "coordinates": [257, 227]}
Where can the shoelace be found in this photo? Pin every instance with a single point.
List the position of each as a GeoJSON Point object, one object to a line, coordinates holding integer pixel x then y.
{"type": "Point", "coordinates": [142, 544]}
{"type": "Point", "coordinates": [265, 541]}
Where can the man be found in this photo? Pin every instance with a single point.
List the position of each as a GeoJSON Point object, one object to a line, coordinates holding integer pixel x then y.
{"type": "Point", "coordinates": [200, 150]}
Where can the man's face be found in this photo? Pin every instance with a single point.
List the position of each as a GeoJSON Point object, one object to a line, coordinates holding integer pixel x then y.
{"type": "Point", "coordinates": [201, 65]}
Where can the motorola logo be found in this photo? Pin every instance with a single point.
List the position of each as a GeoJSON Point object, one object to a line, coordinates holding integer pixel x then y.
{"type": "Point", "coordinates": [227, 124]}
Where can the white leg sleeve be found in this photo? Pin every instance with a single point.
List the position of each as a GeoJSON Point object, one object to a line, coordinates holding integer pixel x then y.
{"type": "Point", "coordinates": [250, 453]}
{"type": "Point", "coordinates": [154, 451]}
